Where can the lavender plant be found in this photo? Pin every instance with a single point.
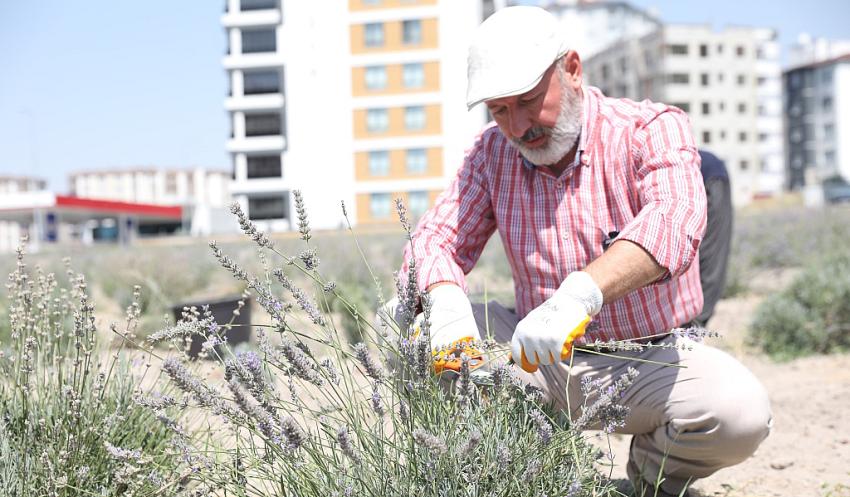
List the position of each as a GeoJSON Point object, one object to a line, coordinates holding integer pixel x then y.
{"type": "Point", "coordinates": [311, 414]}
{"type": "Point", "coordinates": [69, 425]}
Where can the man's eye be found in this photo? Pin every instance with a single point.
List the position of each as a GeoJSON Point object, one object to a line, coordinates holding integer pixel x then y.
{"type": "Point", "coordinates": [530, 100]}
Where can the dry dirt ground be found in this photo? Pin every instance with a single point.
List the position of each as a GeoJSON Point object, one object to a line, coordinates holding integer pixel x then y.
{"type": "Point", "coordinates": [808, 451]}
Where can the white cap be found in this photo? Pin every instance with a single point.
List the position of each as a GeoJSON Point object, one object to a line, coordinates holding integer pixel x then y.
{"type": "Point", "coordinates": [511, 51]}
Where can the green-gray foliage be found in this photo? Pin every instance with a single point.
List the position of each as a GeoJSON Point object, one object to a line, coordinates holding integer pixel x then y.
{"type": "Point", "coordinates": [310, 415]}
{"type": "Point", "coordinates": [61, 403]}
{"type": "Point", "coordinates": [811, 316]}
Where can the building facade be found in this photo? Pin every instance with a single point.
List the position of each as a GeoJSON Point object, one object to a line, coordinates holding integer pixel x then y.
{"type": "Point", "coordinates": [592, 26]}
{"type": "Point", "coordinates": [204, 194]}
{"type": "Point", "coordinates": [354, 101]}
{"type": "Point", "coordinates": [10, 231]}
{"type": "Point", "coordinates": [729, 83]}
{"type": "Point", "coordinates": [817, 126]}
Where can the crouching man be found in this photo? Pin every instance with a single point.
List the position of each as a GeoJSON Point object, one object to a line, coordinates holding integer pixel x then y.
{"type": "Point", "coordinates": [601, 209]}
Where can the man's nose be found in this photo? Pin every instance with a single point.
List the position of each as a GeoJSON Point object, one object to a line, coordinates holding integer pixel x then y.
{"type": "Point", "coordinates": [519, 123]}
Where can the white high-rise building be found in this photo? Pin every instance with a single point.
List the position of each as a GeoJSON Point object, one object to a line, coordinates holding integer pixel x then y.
{"type": "Point", "coordinates": [360, 101]}
{"type": "Point", "coordinates": [729, 83]}
{"type": "Point", "coordinates": [10, 231]}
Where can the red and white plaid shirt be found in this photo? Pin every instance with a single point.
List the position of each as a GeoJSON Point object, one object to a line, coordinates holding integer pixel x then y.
{"type": "Point", "coordinates": [637, 173]}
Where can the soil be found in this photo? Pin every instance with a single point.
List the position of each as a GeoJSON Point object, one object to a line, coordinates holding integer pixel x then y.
{"type": "Point", "coordinates": [808, 451]}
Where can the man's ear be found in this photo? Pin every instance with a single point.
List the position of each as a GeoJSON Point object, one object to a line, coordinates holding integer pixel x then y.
{"type": "Point", "coordinates": [572, 68]}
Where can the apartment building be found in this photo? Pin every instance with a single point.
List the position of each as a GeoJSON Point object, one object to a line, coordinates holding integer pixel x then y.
{"type": "Point", "coordinates": [10, 231]}
{"type": "Point", "coordinates": [204, 194]}
{"type": "Point", "coordinates": [591, 27]}
{"type": "Point", "coordinates": [817, 126]}
{"type": "Point", "coordinates": [355, 101]}
{"type": "Point", "coordinates": [729, 83]}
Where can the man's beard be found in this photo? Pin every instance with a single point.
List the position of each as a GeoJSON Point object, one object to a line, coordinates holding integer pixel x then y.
{"type": "Point", "coordinates": [562, 136]}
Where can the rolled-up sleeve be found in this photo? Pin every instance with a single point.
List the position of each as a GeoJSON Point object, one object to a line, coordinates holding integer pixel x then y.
{"type": "Point", "coordinates": [450, 237]}
{"type": "Point", "coordinates": [671, 222]}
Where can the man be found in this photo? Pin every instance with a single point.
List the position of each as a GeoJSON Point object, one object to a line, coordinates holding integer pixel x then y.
{"type": "Point", "coordinates": [601, 210]}
{"type": "Point", "coordinates": [714, 249]}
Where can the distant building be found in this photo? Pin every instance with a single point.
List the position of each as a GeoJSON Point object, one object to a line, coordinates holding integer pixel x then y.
{"type": "Point", "coordinates": [817, 126]}
{"type": "Point", "coordinates": [11, 231]}
{"type": "Point", "coordinates": [359, 101]}
{"type": "Point", "coordinates": [729, 83]}
{"type": "Point", "coordinates": [204, 194]}
{"type": "Point", "coordinates": [808, 50]}
{"type": "Point", "coordinates": [592, 26]}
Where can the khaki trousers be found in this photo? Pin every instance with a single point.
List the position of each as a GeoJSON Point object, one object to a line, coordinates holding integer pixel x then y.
{"type": "Point", "coordinates": [687, 422]}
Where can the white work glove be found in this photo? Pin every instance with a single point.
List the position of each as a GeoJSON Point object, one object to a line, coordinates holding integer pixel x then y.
{"type": "Point", "coordinates": [451, 316]}
{"type": "Point", "coordinates": [546, 334]}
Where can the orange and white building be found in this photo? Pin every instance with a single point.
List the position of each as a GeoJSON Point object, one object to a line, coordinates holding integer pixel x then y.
{"type": "Point", "coordinates": [359, 101]}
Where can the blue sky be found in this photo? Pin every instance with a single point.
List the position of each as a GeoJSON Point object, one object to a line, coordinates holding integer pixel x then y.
{"type": "Point", "coordinates": [104, 83]}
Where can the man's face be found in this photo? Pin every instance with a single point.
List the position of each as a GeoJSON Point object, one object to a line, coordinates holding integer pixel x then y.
{"type": "Point", "coordinates": [545, 122]}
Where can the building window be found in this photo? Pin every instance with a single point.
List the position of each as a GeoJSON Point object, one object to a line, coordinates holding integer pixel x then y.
{"type": "Point", "coordinates": [606, 71]}
{"type": "Point", "coordinates": [417, 203]}
{"type": "Point", "coordinates": [763, 137]}
{"type": "Point", "coordinates": [376, 77]}
{"type": "Point", "coordinates": [703, 79]}
{"type": "Point", "coordinates": [706, 108]}
{"type": "Point", "coordinates": [268, 207]}
{"type": "Point", "coordinates": [412, 32]}
{"type": "Point", "coordinates": [827, 103]}
{"type": "Point", "coordinates": [380, 205]}
{"type": "Point", "coordinates": [377, 120]}
{"type": "Point", "coordinates": [677, 49]}
{"type": "Point", "coordinates": [257, 82]}
{"type": "Point", "coordinates": [719, 48]}
{"type": "Point", "coordinates": [679, 78]}
{"type": "Point", "coordinates": [720, 77]}
{"type": "Point", "coordinates": [170, 183]}
{"type": "Point", "coordinates": [742, 80]}
{"type": "Point", "coordinates": [744, 164]}
{"type": "Point", "coordinates": [379, 163]}
{"type": "Point", "coordinates": [685, 106]}
{"type": "Point", "coordinates": [703, 50]}
{"type": "Point", "coordinates": [722, 135]}
{"type": "Point", "coordinates": [373, 34]}
{"type": "Point", "coordinates": [742, 136]}
{"type": "Point", "coordinates": [264, 166]}
{"type": "Point", "coordinates": [761, 81]}
{"type": "Point", "coordinates": [262, 124]}
{"type": "Point", "coordinates": [826, 76]}
{"type": "Point", "coordinates": [739, 50]}
{"type": "Point", "coordinates": [722, 106]}
{"type": "Point", "coordinates": [413, 75]}
{"type": "Point", "coordinates": [416, 161]}
{"type": "Point", "coordinates": [828, 132]}
{"type": "Point", "coordinates": [706, 137]}
{"type": "Point", "coordinates": [257, 4]}
{"type": "Point", "coordinates": [259, 40]}
{"type": "Point", "coordinates": [742, 108]}
{"type": "Point", "coordinates": [829, 159]}
{"type": "Point", "coordinates": [414, 118]}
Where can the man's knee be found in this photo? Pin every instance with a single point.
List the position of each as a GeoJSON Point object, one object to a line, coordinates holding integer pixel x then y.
{"type": "Point", "coordinates": [732, 422]}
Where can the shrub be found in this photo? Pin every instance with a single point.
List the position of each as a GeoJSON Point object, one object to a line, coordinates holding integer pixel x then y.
{"type": "Point", "coordinates": [811, 316]}
{"type": "Point", "coordinates": [63, 407]}
{"type": "Point", "coordinates": [313, 415]}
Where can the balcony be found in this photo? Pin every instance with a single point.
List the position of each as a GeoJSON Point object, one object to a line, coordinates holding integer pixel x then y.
{"type": "Point", "coordinates": [267, 17]}
{"type": "Point", "coordinates": [256, 144]}
{"type": "Point", "coordinates": [268, 101]}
